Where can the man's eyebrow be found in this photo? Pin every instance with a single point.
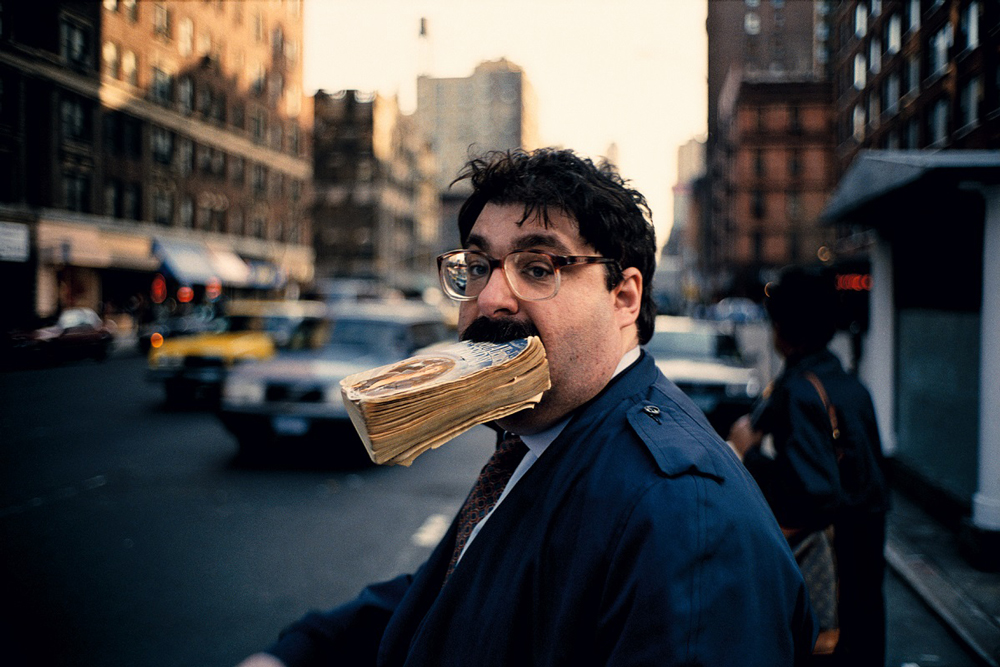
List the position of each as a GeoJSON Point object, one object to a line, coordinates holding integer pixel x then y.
{"type": "Point", "coordinates": [547, 241]}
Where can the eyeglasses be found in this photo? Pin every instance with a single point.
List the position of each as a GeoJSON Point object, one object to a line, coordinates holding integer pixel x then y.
{"type": "Point", "coordinates": [533, 275]}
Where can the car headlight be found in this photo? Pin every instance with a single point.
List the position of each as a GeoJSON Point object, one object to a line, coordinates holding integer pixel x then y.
{"type": "Point", "coordinates": [243, 391]}
{"type": "Point", "coordinates": [334, 399]}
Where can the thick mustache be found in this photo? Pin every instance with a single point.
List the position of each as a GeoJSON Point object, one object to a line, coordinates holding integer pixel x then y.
{"type": "Point", "coordinates": [486, 330]}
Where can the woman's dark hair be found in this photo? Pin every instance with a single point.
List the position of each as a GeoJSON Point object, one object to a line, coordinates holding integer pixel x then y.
{"type": "Point", "coordinates": [612, 217]}
{"type": "Point", "coordinates": [803, 307]}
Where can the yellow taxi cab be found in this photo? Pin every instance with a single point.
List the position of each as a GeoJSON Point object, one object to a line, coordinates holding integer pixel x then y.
{"type": "Point", "coordinates": [194, 367]}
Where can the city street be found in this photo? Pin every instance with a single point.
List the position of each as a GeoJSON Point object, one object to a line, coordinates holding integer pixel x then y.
{"type": "Point", "coordinates": [129, 537]}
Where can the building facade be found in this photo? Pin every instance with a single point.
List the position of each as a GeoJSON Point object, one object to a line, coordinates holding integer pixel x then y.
{"type": "Point", "coordinates": [493, 109]}
{"type": "Point", "coordinates": [775, 170]}
{"type": "Point", "coordinates": [916, 74]}
{"type": "Point", "coordinates": [377, 212]}
{"type": "Point", "coordinates": [769, 143]}
{"type": "Point", "coordinates": [154, 137]}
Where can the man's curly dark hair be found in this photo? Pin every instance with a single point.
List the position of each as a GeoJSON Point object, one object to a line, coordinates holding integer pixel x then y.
{"type": "Point", "coordinates": [613, 218]}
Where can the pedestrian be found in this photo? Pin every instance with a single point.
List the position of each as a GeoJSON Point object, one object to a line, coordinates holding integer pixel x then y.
{"type": "Point", "coordinates": [628, 532]}
{"type": "Point", "coordinates": [826, 468]}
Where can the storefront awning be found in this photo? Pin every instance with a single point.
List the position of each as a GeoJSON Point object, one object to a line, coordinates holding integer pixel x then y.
{"type": "Point", "coordinates": [880, 184]}
{"type": "Point", "coordinates": [194, 263]}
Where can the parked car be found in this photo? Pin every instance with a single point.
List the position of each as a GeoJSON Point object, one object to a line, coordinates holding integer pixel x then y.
{"type": "Point", "coordinates": [76, 333]}
{"type": "Point", "coordinates": [706, 364]}
{"type": "Point", "coordinates": [292, 403]}
{"type": "Point", "coordinates": [737, 309]}
{"type": "Point", "coordinates": [194, 367]}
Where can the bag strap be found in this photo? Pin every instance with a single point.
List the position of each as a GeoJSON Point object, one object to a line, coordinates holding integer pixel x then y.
{"type": "Point", "coordinates": [830, 411]}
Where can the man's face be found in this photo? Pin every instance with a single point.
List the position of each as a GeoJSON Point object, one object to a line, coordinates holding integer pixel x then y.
{"type": "Point", "coordinates": [581, 326]}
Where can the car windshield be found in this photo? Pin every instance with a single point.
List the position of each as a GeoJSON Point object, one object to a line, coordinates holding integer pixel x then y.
{"type": "Point", "coordinates": [389, 340]}
{"type": "Point", "coordinates": [699, 345]}
{"type": "Point", "coordinates": [291, 333]}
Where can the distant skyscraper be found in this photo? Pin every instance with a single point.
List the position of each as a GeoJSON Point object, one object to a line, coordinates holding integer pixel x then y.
{"type": "Point", "coordinates": [494, 109]}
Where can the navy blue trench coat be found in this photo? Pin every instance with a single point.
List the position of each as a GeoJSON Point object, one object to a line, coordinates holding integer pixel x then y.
{"type": "Point", "coordinates": [638, 538]}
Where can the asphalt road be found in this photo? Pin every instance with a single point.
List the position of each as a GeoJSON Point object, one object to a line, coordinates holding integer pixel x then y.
{"type": "Point", "coordinates": [129, 537]}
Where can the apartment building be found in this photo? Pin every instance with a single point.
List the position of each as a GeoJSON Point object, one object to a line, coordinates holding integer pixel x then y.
{"type": "Point", "coordinates": [139, 138]}
{"type": "Point", "coordinates": [916, 74]}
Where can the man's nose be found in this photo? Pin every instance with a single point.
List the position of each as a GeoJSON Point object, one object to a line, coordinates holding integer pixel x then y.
{"type": "Point", "coordinates": [497, 296]}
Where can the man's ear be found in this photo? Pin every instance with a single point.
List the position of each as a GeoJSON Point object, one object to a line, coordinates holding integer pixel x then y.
{"type": "Point", "coordinates": [627, 296]}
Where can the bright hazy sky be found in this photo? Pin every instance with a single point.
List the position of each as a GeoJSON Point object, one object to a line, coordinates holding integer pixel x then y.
{"type": "Point", "coordinates": [628, 72]}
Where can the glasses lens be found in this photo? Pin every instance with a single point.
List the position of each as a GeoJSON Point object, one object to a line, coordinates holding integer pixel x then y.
{"type": "Point", "coordinates": [532, 275]}
{"type": "Point", "coordinates": [464, 274]}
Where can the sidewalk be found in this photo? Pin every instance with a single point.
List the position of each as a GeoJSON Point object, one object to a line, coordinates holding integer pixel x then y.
{"type": "Point", "coordinates": [925, 555]}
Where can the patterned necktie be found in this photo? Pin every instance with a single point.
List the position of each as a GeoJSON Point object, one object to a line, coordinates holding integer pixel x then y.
{"type": "Point", "coordinates": [486, 491]}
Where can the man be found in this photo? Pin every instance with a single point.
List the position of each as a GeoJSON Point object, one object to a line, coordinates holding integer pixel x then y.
{"type": "Point", "coordinates": [628, 533]}
{"type": "Point", "coordinates": [816, 479]}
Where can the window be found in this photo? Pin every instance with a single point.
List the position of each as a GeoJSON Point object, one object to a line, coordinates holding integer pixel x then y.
{"type": "Point", "coordinates": [860, 71]}
{"type": "Point", "coordinates": [187, 212]}
{"type": "Point", "coordinates": [204, 159]}
{"type": "Point", "coordinates": [74, 43]}
{"type": "Point", "coordinates": [913, 74]}
{"type": "Point", "coordinates": [258, 26]}
{"type": "Point", "coordinates": [875, 55]}
{"type": "Point", "coordinates": [130, 68]}
{"type": "Point", "coordinates": [236, 170]}
{"type": "Point", "coordinates": [891, 94]}
{"type": "Point", "coordinates": [751, 23]}
{"type": "Point", "coordinates": [894, 35]}
{"type": "Point", "coordinates": [258, 179]}
{"type": "Point", "coordinates": [912, 10]}
{"type": "Point", "coordinates": [162, 141]}
{"type": "Point", "coordinates": [940, 43]}
{"type": "Point", "coordinates": [293, 139]}
{"type": "Point", "coordinates": [291, 53]}
{"type": "Point", "coordinates": [131, 10]}
{"type": "Point", "coordinates": [163, 85]}
{"type": "Point", "coordinates": [970, 100]}
{"type": "Point", "coordinates": [185, 37]}
{"type": "Point", "coordinates": [970, 25]}
{"type": "Point", "coordinates": [113, 198]}
{"type": "Point", "coordinates": [276, 136]}
{"type": "Point", "coordinates": [161, 21]}
{"type": "Point", "coordinates": [876, 7]}
{"type": "Point", "coordinates": [258, 126]}
{"type": "Point", "coordinates": [794, 205]}
{"type": "Point", "coordinates": [111, 5]}
{"type": "Point", "coordinates": [277, 42]}
{"type": "Point", "coordinates": [861, 20]}
{"type": "Point", "coordinates": [912, 134]}
{"type": "Point", "coordinates": [237, 115]}
{"type": "Point", "coordinates": [110, 59]}
{"type": "Point", "coordinates": [757, 204]}
{"type": "Point", "coordinates": [858, 122]}
{"type": "Point", "coordinates": [186, 157]}
{"type": "Point", "coordinates": [938, 122]}
{"type": "Point", "coordinates": [74, 121]}
{"type": "Point", "coordinates": [185, 94]}
{"type": "Point", "coordinates": [163, 207]}
{"type": "Point", "coordinates": [205, 100]}
{"type": "Point", "coordinates": [76, 192]}
{"type": "Point", "coordinates": [132, 202]}
{"type": "Point", "coordinates": [795, 164]}
{"type": "Point", "coordinates": [257, 76]}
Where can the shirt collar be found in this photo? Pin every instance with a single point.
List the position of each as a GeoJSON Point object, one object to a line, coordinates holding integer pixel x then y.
{"type": "Point", "coordinates": [537, 443]}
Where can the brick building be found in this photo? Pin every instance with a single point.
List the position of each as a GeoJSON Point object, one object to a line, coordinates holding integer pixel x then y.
{"type": "Point", "coordinates": [146, 137]}
{"type": "Point", "coordinates": [916, 74]}
{"type": "Point", "coordinates": [377, 205]}
{"type": "Point", "coordinates": [769, 148]}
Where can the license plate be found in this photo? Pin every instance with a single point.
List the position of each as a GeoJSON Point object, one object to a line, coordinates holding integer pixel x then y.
{"type": "Point", "coordinates": [290, 425]}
